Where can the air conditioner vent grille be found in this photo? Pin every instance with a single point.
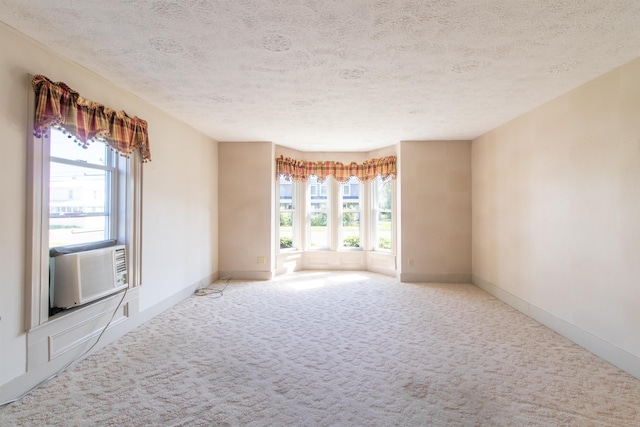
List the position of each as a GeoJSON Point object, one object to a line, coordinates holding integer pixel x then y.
{"type": "Point", "coordinates": [121, 261]}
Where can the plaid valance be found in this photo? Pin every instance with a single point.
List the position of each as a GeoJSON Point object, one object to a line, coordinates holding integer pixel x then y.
{"type": "Point", "coordinates": [60, 106]}
{"type": "Point", "coordinates": [299, 170]}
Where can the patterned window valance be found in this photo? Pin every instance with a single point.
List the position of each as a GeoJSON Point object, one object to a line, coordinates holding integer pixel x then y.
{"type": "Point", "coordinates": [60, 106]}
{"type": "Point", "coordinates": [299, 170]}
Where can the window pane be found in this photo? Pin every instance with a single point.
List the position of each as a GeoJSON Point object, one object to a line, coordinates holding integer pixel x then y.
{"type": "Point", "coordinates": [61, 146]}
{"type": "Point", "coordinates": [287, 214]}
{"type": "Point", "coordinates": [78, 205]}
{"type": "Point", "coordinates": [351, 229]}
{"type": "Point", "coordinates": [350, 204]}
{"type": "Point", "coordinates": [286, 230]}
{"type": "Point", "coordinates": [319, 232]}
{"type": "Point", "coordinates": [383, 231]}
{"type": "Point", "coordinates": [319, 205]}
{"type": "Point", "coordinates": [382, 216]}
{"type": "Point", "coordinates": [318, 215]}
{"type": "Point", "coordinates": [383, 194]}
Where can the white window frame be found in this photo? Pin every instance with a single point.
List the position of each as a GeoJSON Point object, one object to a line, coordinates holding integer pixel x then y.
{"type": "Point", "coordinates": [368, 217]}
{"type": "Point", "coordinates": [295, 215]}
{"type": "Point", "coordinates": [129, 213]}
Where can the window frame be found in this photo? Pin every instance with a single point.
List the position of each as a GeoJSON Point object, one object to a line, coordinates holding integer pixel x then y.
{"type": "Point", "coordinates": [375, 211]}
{"type": "Point", "coordinates": [128, 210]}
{"type": "Point", "coordinates": [112, 198]}
{"type": "Point", "coordinates": [368, 217]}
{"type": "Point", "coordinates": [294, 215]}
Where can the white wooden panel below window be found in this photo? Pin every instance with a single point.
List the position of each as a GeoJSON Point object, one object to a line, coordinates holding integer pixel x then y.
{"type": "Point", "coordinates": [69, 335]}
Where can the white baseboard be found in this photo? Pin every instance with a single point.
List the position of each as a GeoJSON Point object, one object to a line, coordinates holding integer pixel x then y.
{"type": "Point", "coordinates": [601, 348]}
{"type": "Point", "coordinates": [248, 275]}
{"type": "Point", "coordinates": [435, 277]}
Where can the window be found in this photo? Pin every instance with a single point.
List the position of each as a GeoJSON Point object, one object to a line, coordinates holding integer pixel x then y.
{"type": "Point", "coordinates": [83, 192]}
{"type": "Point", "coordinates": [382, 214]}
{"type": "Point", "coordinates": [339, 215]}
{"type": "Point", "coordinates": [335, 215]}
{"type": "Point", "coordinates": [350, 203]}
{"type": "Point", "coordinates": [287, 213]}
{"type": "Point", "coordinates": [80, 195]}
{"type": "Point", "coordinates": [318, 215]}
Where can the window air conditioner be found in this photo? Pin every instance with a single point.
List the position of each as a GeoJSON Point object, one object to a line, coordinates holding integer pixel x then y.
{"type": "Point", "coordinates": [83, 277]}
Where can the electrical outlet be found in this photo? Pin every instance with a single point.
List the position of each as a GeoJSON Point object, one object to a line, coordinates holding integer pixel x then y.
{"type": "Point", "coordinates": [262, 260]}
{"type": "Point", "coordinates": [410, 262]}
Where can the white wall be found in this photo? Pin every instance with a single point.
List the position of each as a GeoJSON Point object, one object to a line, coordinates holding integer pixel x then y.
{"type": "Point", "coordinates": [179, 192]}
{"type": "Point", "coordinates": [556, 208]}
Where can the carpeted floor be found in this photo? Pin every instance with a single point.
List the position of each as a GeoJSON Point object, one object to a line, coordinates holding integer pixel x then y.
{"type": "Point", "coordinates": [337, 349]}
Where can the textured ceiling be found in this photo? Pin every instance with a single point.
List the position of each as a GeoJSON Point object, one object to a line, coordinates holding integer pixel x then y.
{"type": "Point", "coordinates": [348, 75]}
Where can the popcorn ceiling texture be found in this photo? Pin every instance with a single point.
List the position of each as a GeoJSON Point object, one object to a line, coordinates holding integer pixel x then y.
{"type": "Point", "coordinates": [338, 75]}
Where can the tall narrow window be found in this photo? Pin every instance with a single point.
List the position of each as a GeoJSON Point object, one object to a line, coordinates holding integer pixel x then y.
{"type": "Point", "coordinates": [350, 230]}
{"type": "Point", "coordinates": [382, 212]}
{"type": "Point", "coordinates": [80, 195]}
{"type": "Point", "coordinates": [82, 192]}
{"type": "Point", "coordinates": [287, 195]}
{"type": "Point", "coordinates": [318, 211]}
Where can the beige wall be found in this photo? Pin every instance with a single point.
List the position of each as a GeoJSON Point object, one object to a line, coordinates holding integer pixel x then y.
{"type": "Point", "coordinates": [179, 231]}
{"type": "Point", "coordinates": [433, 199]}
{"type": "Point", "coordinates": [556, 208]}
{"type": "Point", "coordinates": [180, 210]}
{"type": "Point", "coordinates": [435, 210]}
{"type": "Point", "coordinates": [246, 200]}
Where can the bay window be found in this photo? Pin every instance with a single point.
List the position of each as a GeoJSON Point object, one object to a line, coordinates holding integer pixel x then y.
{"type": "Point", "coordinates": [347, 206]}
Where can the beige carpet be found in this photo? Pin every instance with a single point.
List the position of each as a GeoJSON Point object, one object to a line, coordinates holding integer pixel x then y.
{"type": "Point", "coordinates": [337, 349]}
